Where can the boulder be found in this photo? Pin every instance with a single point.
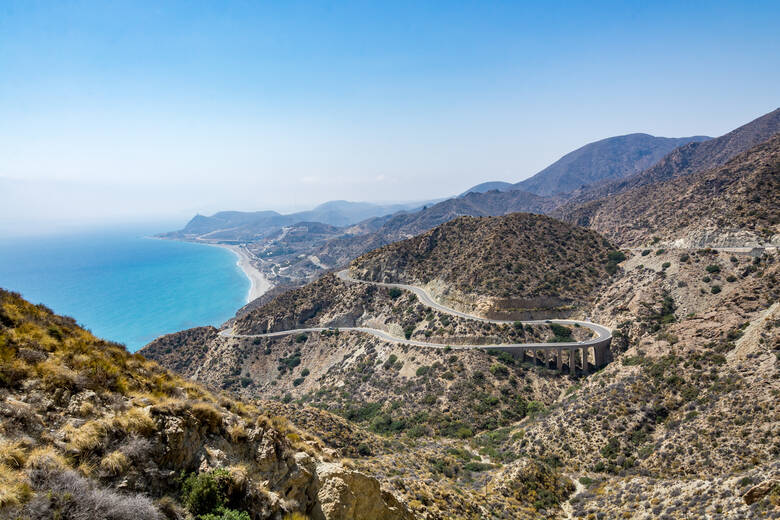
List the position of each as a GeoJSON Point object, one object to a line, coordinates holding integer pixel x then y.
{"type": "Point", "coordinates": [345, 494]}
{"type": "Point", "coordinates": [761, 490]}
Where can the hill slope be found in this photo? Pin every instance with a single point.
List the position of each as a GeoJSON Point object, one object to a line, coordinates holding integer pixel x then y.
{"type": "Point", "coordinates": [531, 260]}
{"type": "Point", "coordinates": [89, 431]}
{"type": "Point", "coordinates": [734, 205]}
{"type": "Point", "coordinates": [607, 159]}
{"type": "Point", "coordinates": [382, 231]}
{"type": "Point", "coordinates": [691, 158]}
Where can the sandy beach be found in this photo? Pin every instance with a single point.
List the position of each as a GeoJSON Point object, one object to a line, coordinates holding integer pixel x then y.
{"type": "Point", "coordinates": [259, 284]}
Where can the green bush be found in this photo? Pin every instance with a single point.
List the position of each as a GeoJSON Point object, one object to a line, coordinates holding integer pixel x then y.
{"type": "Point", "coordinates": [731, 278]}
{"type": "Point", "coordinates": [421, 371]}
{"type": "Point", "coordinates": [204, 493]}
{"type": "Point", "coordinates": [390, 361]}
{"type": "Point", "coordinates": [298, 381]}
{"type": "Point", "coordinates": [223, 513]}
{"type": "Point", "coordinates": [666, 265]}
{"type": "Point", "coordinates": [713, 268]}
{"type": "Point", "coordinates": [363, 449]}
{"type": "Point", "coordinates": [715, 289]}
{"type": "Point", "coordinates": [499, 370]}
{"type": "Point", "coordinates": [560, 330]}
{"type": "Point", "coordinates": [645, 252]}
{"type": "Point", "coordinates": [408, 330]}
{"type": "Point", "coordinates": [301, 338]}
{"type": "Point", "coordinates": [660, 252]}
{"type": "Point", "coordinates": [684, 257]}
{"type": "Point", "coordinates": [394, 292]}
{"type": "Point", "coordinates": [477, 466]}
{"type": "Point", "coordinates": [305, 372]}
{"type": "Point", "coordinates": [616, 256]}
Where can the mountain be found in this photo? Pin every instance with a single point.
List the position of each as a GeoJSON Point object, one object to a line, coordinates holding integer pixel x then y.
{"type": "Point", "coordinates": [737, 204]}
{"type": "Point", "coordinates": [607, 159]}
{"type": "Point", "coordinates": [489, 186]}
{"type": "Point", "coordinates": [532, 260]}
{"type": "Point", "coordinates": [378, 232]}
{"type": "Point", "coordinates": [243, 226]}
{"type": "Point", "coordinates": [687, 159]}
{"type": "Point", "coordinates": [88, 430]}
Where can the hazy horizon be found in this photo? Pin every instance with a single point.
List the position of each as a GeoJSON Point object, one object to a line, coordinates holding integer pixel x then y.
{"type": "Point", "coordinates": [149, 112]}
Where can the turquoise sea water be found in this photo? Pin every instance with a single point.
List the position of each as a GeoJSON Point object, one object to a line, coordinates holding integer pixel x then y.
{"type": "Point", "coordinates": [122, 286]}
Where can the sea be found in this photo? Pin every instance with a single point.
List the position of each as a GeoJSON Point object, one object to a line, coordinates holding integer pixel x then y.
{"type": "Point", "coordinates": [123, 285]}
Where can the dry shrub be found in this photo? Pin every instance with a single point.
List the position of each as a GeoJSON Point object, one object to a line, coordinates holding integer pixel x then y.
{"type": "Point", "coordinates": [295, 516]}
{"type": "Point", "coordinates": [55, 374]}
{"type": "Point", "coordinates": [12, 371]}
{"type": "Point", "coordinates": [237, 432]}
{"type": "Point", "coordinates": [239, 475]}
{"type": "Point", "coordinates": [40, 458]}
{"type": "Point", "coordinates": [86, 409]}
{"type": "Point", "coordinates": [114, 463]}
{"type": "Point", "coordinates": [135, 421]}
{"type": "Point", "coordinates": [207, 415]}
{"type": "Point", "coordinates": [14, 489]}
{"type": "Point", "coordinates": [88, 437]}
{"type": "Point", "coordinates": [280, 423]}
{"type": "Point", "coordinates": [66, 494]}
{"type": "Point", "coordinates": [245, 410]}
{"type": "Point", "coordinates": [171, 509]}
{"type": "Point", "coordinates": [163, 384]}
{"type": "Point", "coordinates": [136, 448]}
{"type": "Point", "coordinates": [13, 454]}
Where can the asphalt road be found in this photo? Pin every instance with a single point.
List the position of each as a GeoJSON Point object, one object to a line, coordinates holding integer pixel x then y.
{"type": "Point", "coordinates": [602, 334]}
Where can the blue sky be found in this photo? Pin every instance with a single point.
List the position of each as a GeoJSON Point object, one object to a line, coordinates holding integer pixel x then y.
{"type": "Point", "coordinates": [142, 110]}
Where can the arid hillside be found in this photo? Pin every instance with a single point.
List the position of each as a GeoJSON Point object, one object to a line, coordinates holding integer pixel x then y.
{"type": "Point", "coordinates": [90, 431]}
{"type": "Point", "coordinates": [734, 205]}
{"type": "Point", "coordinates": [605, 160]}
{"type": "Point", "coordinates": [685, 160]}
{"type": "Point", "coordinates": [521, 261]}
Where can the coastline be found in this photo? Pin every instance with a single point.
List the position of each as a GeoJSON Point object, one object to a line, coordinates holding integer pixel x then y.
{"type": "Point", "coordinates": [258, 283]}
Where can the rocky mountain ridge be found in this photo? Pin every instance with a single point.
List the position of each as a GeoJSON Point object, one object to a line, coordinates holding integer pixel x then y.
{"type": "Point", "coordinates": [736, 205]}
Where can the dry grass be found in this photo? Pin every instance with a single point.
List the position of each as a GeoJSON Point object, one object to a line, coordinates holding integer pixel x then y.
{"type": "Point", "coordinates": [239, 474]}
{"type": "Point", "coordinates": [237, 432]}
{"type": "Point", "coordinates": [208, 415]}
{"type": "Point", "coordinates": [13, 454]}
{"type": "Point", "coordinates": [114, 463]}
{"type": "Point", "coordinates": [14, 489]}
{"type": "Point", "coordinates": [295, 516]}
{"type": "Point", "coordinates": [87, 438]}
{"type": "Point", "coordinates": [56, 375]}
{"type": "Point", "coordinates": [135, 420]}
{"type": "Point", "coordinates": [45, 457]}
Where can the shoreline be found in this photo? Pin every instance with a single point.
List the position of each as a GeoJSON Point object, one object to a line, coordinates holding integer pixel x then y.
{"type": "Point", "coordinates": [258, 282]}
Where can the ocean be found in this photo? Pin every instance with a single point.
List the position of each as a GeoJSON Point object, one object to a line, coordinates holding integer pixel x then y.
{"type": "Point", "coordinates": [122, 286]}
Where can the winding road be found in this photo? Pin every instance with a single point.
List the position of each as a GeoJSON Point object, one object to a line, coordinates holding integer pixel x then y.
{"type": "Point", "coordinates": [599, 342]}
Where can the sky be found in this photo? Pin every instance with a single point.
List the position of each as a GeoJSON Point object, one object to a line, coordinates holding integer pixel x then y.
{"type": "Point", "coordinates": [144, 111]}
